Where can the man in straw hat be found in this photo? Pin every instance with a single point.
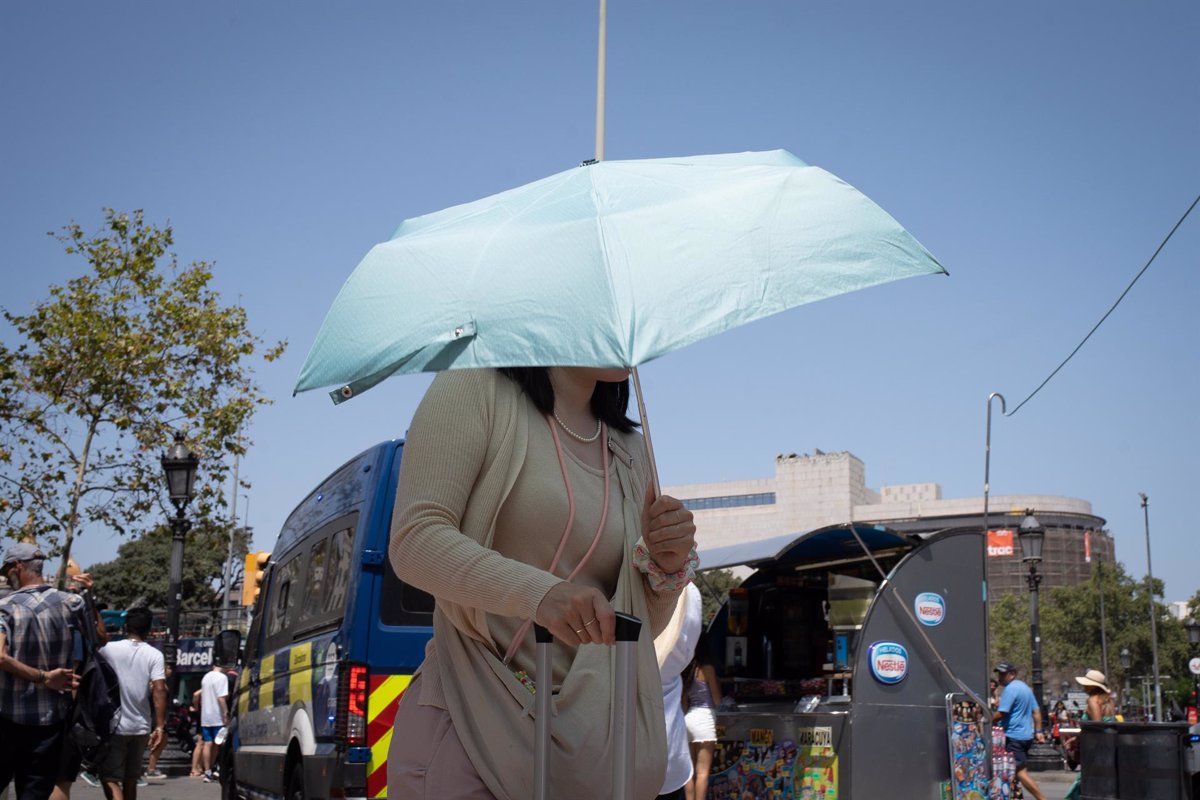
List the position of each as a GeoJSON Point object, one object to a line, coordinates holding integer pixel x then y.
{"type": "Point", "coordinates": [1021, 718]}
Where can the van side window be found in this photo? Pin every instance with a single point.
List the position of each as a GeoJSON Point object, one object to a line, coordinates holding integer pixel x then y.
{"type": "Point", "coordinates": [401, 604]}
{"type": "Point", "coordinates": [339, 570]}
{"type": "Point", "coordinates": [313, 594]}
{"type": "Point", "coordinates": [330, 566]}
{"type": "Point", "coordinates": [283, 599]}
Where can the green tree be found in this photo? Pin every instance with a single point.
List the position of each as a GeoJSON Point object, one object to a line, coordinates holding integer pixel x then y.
{"type": "Point", "coordinates": [138, 575]}
{"type": "Point", "coordinates": [1008, 631]}
{"type": "Point", "coordinates": [108, 368]}
{"type": "Point", "coordinates": [714, 587]}
{"type": "Point", "coordinates": [1070, 618]}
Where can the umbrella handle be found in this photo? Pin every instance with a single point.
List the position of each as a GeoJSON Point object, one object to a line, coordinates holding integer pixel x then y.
{"type": "Point", "coordinates": [637, 389]}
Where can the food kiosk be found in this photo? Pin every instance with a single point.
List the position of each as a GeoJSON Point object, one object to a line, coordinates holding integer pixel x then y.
{"type": "Point", "coordinates": [853, 666]}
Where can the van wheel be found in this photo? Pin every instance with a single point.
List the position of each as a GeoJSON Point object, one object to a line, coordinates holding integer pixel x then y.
{"type": "Point", "coordinates": [295, 785]}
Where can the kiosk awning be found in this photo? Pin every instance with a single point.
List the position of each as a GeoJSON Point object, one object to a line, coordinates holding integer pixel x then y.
{"type": "Point", "coordinates": [823, 544]}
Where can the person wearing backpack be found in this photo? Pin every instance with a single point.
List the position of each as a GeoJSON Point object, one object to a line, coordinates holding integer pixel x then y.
{"type": "Point", "coordinates": [37, 633]}
{"type": "Point", "coordinates": [71, 766]}
{"type": "Point", "coordinates": [139, 666]}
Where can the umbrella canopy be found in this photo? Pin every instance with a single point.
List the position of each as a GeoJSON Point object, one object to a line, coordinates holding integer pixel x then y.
{"type": "Point", "coordinates": [610, 264]}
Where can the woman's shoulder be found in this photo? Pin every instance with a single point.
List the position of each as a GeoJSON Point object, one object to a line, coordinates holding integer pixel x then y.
{"type": "Point", "coordinates": [465, 380]}
{"type": "Point", "coordinates": [458, 387]}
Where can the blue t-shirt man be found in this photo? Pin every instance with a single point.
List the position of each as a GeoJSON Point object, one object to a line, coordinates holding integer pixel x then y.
{"type": "Point", "coordinates": [1017, 704]}
{"type": "Point", "coordinates": [1019, 715]}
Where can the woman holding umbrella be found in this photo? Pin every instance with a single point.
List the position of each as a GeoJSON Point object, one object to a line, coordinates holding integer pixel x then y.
{"type": "Point", "coordinates": [524, 496]}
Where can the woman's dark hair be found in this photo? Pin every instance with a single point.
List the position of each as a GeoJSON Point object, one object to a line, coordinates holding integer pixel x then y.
{"type": "Point", "coordinates": [702, 656]}
{"type": "Point", "coordinates": [610, 401]}
{"type": "Point", "coordinates": [704, 653]}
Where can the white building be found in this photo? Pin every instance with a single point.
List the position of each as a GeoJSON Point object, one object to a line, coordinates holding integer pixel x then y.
{"type": "Point", "coordinates": [814, 490]}
{"type": "Point", "coordinates": [1178, 609]}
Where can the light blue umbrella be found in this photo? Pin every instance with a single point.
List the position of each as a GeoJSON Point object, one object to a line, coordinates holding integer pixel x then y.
{"type": "Point", "coordinates": [609, 264]}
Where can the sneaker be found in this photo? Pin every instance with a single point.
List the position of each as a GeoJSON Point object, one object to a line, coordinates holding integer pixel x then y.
{"type": "Point", "coordinates": [141, 781]}
{"type": "Point", "coordinates": [89, 778]}
{"type": "Point", "coordinates": [155, 774]}
{"type": "Point", "coordinates": [208, 776]}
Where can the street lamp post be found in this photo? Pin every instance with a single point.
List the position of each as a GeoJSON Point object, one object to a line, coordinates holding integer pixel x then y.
{"type": "Point", "coordinates": [1153, 613]}
{"type": "Point", "coordinates": [179, 464]}
{"type": "Point", "coordinates": [1031, 536]}
{"type": "Point", "coordinates": [1193, 630]}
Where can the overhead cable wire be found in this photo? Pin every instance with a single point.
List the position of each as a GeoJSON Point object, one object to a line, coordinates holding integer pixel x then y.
{"type": "Point", "coordinates": [1110, 310]}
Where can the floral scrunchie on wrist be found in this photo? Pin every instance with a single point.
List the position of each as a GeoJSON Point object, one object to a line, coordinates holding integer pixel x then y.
{"type": "Point", "coordinates": [664, 581]}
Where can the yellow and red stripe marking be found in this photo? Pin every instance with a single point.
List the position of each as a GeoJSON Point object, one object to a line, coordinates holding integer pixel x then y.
{"type": "Point", "coordinates": [382, 702]}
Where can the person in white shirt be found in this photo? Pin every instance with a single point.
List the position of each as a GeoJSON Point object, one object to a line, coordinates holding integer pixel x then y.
{"type": "Point", "coordinates": [214, 714]}
{"type": "Point", "coordinates": [673, 658]}
{"type": "Point", "coordinates": [141, 674]}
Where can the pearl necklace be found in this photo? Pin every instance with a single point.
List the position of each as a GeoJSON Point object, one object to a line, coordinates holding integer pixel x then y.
{"type": "Point", "coordinates": [573, 434]}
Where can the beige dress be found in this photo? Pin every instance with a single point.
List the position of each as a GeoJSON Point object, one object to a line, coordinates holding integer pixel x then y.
{"type": "Point", "coordinates": [480, 509]}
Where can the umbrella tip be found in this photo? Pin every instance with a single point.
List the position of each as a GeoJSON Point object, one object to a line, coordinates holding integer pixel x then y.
{"type": "Point", "coordinates": [588, 163]}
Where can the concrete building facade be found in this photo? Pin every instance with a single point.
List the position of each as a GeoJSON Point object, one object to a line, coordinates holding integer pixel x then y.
{"type": "Point", "coordinates": [811, 491]}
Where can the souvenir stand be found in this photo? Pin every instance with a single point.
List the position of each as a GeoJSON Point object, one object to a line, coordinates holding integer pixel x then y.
{"type": "Point", "coordinates": [853, 666]}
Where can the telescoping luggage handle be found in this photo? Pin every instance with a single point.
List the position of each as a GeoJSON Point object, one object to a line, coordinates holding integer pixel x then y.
{"type": "Point", "coordinates": [625, 691]}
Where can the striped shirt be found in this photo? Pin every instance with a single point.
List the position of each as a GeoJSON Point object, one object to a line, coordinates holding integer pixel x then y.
{"type": "Point", "coordinates": [39, 624]}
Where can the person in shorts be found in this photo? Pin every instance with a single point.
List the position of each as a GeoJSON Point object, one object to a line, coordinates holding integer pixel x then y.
{"type": "Point", "coordinates": [141, 672]}
{"type": "Point", "coordinates": [214, 714]}
{"type": "Point", "coordinates": [1018, 713]}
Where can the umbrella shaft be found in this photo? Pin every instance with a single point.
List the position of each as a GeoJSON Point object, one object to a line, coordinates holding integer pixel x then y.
{"type": "Point", "coordinates": [637, 389]}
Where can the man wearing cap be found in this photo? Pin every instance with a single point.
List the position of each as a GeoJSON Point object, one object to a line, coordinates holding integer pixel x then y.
{"type": "Point", "coordinates": [37, 631]}
{"type": "Point", "coordinates": [1019, 715]}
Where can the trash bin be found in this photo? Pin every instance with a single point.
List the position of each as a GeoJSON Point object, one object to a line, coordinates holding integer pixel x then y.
{"type": "Point", "coordinates": [1134, 761]}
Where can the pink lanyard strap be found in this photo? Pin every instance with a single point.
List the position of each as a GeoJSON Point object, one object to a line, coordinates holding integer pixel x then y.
{"type": "Point", "coordinates": [562, 542]}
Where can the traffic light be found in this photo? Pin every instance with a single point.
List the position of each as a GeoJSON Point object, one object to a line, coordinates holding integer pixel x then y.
{"type": "Point", "coordinates": [256, 570]}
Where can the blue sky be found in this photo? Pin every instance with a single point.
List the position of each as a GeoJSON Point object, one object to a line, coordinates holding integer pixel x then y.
{"type": "Point", "coordinates": [1040, 150]}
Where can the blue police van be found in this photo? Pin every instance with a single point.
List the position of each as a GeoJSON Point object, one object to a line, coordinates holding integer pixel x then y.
{"type": "Point", "coordinates": [333, 641]}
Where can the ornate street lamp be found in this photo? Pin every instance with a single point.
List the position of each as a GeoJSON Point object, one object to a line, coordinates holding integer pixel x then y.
{"type": "Point", "coordinates": [179, 465]}
{"type": "Point", "coordinates": [1032, 535]}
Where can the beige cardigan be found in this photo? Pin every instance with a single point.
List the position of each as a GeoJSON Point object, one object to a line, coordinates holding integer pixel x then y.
{"type": "Point", "coordinates": [462, 455]}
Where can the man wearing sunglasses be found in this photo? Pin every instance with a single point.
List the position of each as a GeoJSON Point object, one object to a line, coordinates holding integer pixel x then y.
{"type": "Point", "coordinates": [37, 631]}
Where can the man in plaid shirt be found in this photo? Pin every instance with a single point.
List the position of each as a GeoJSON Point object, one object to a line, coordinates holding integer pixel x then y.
{"type": "Point", "coordinates": [37, 628]}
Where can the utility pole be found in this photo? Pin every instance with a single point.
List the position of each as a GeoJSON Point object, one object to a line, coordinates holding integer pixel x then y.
{"type": "Point", "coordinates": [1103, 635]}
{"type": "Point", "coordinates": [228, 573]}
{"type": "Point", "coordinates": [1153, 615]}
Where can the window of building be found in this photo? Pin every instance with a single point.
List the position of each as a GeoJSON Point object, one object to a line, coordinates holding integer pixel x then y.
{"type": "Point", "coordinates": [730, 501]}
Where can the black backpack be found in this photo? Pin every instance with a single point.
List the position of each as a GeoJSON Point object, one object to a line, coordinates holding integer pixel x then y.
{"type": "Point", "coordinates": [97, 706]}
